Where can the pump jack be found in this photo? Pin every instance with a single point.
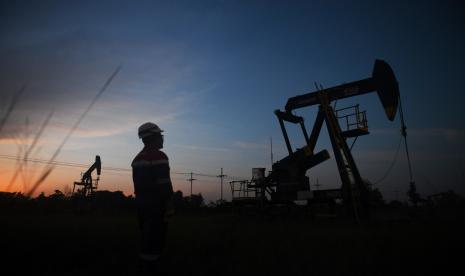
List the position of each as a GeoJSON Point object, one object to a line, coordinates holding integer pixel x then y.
{"type": "Point", "coordinates": [86, 180]}
{"type": "Point", "coordinates": [288, 181]}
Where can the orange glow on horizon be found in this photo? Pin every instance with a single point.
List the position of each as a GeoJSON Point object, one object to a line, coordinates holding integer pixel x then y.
{"type": "Point", "coordinates": [61, 178]}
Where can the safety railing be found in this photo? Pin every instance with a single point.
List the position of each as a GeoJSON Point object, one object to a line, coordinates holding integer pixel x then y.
{"type": "Point", "coordinates": [352, 118]}
{"type": "Point", "coordinates": [240, 189]}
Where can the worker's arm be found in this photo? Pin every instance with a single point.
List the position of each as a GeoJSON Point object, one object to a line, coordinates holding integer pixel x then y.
{"type": "Point", "coordinates": [164, 181]}
{"type": "Point", "coordinates": [169, 200]}
{"type": "Point", "coordinates": [165, 185]}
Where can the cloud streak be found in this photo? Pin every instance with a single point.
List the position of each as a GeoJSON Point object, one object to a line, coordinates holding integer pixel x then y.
{"type": "Point", "coordinates": [249, 145]}
{"type": "Point", "coordinates": [449, 134]}
{"type": "Point", "coordinates": [201, 148]}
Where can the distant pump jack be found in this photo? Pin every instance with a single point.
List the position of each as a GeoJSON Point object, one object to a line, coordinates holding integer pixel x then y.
{"type": "Point", "coordinates": [88, 186]}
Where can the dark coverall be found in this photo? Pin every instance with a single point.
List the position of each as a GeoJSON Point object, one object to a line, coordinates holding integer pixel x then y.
{"type": "Point", "coordinates": [153, 190]}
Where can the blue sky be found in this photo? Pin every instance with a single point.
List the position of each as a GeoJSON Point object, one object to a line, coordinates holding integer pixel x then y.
{"type": "Point", "coordinates": [211, 73]}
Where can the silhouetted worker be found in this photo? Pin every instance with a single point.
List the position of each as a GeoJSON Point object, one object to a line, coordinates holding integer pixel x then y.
{"type": "Point", "coordinates": [153, 190]}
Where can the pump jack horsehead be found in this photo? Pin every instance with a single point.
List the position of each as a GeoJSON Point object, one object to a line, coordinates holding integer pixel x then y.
{"type": "Point", "coordinates": [288, 175]}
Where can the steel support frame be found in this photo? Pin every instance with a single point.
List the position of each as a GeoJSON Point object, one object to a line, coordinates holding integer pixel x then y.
{"type": "Point", "coordinates": [354, 191]}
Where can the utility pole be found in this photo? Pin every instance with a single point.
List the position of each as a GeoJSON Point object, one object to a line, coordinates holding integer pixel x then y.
{"type": "Point", "coordinates": [462, 170]}
{"type": "Point", "coordinates": [271, 148]}
{"type": "Point", "coordinates": [191, 179]}
{"type": "Point", "coordinates": [221, 176]}
{"type": "Point", "coordinates": [317, 185]}
{"type": "Point", "coordinates": [396, 194]}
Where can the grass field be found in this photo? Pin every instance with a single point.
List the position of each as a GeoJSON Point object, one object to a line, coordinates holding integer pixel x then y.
{"type": "Point", "coordinates": [224, 244]}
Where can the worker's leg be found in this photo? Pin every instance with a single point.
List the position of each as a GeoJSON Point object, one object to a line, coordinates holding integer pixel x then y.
{"type": "Point", "coordinates": [153, 231]}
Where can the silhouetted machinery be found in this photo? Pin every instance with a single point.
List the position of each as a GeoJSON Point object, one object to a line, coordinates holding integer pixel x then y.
{"type": "Point", "coordinates": [288, 181]}
{"type": "Point", "coordinates": [88, 186]}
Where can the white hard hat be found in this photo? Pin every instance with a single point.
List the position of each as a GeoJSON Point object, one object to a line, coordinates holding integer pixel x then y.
{"type": "Point", "coordinates": [148, 129]}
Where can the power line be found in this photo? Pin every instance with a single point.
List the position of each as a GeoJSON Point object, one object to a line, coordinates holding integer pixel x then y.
{"type": "Point", "coordinates": [206, 175]}
{"type": "Point", "coordinates": [404, 134]}
{"type": "Point", "coordinates": [109, 168]}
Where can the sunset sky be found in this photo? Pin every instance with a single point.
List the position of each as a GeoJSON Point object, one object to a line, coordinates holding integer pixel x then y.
{"type": "Point", "coordinates": [211, 73]}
